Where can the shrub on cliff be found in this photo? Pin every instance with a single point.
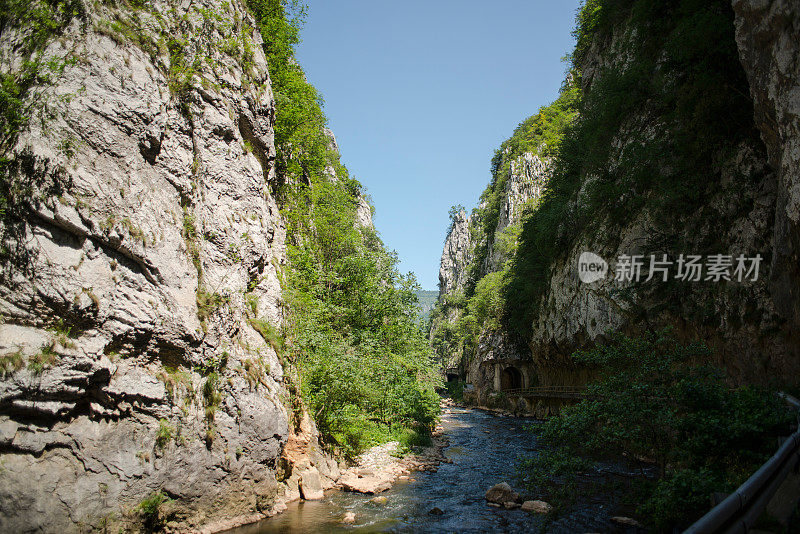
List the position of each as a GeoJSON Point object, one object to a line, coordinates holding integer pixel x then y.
{"type": "Point", "coordinates": [675, 425]}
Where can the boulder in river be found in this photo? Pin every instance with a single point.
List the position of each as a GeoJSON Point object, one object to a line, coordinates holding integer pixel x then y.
{"type": "Point", "coordinates": [436, 511]}
{"type": "Point", "coordinates": [501, 494]}
{"type": "Point", "coordinates": [349, 517]}
{"type": "Point", "coordinates": [367, 484]}
{"type": "Point", "coordinates": [537, 507]}
{"type": "Point", "coordinates": [627, 521]}
{"type": "Point", "coordinates": [311, 485]}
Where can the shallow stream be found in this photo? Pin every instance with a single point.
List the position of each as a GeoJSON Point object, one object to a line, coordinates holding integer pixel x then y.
{"type": "Point", "coordinates": [485, 449]}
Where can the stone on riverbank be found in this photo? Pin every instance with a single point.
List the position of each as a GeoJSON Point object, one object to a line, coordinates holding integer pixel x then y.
{"type": "Point", "coordinates": [501, 494]}
{"type": "Point", "coordinates": [627, 521]}
{"type": "Point", "coordinates": [311, 485]}
{"type": "Point", "coordinates": [537, 507]}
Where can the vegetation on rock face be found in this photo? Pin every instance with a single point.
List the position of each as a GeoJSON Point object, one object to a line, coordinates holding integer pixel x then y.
{"type": "Point", "coordinates": [674, 423]}
{"type": "Point", "coordinates": [678, 71]}
{"type": "Point", "coordinates": [24, 101]}
{"type": "Point", "coordinates": [366, 368]}
{"type": "Point", "coordinates": [459, 318]}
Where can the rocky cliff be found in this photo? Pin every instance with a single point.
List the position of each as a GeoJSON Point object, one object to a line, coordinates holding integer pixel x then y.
{"type": "Point", "coordinates": [625, 179]}
{"type": "Point", "coordinates": [456, 256]}
{"type": "Point", "coordinates": [140, 292]}
{"type": "Point", "coordinates": [749, 325]}
{"type": "Point", "coordinates": [478, 245]}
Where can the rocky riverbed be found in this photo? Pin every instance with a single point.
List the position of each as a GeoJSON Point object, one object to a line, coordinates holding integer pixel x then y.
{"type": "Point", "coordinates": [442, 489]}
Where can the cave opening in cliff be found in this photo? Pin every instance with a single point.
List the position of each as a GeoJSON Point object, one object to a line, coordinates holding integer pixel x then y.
{"type": "Point", "coordinates": [510, 378]}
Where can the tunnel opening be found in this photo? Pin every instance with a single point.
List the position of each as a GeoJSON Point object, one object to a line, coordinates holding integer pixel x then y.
{"type": "Point", "coordinates": [510, 378]}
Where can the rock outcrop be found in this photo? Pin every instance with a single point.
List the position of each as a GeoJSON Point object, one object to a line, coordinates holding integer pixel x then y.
{"type": "Point", "coordinates": [461, 263]}
{"type": "Point", "coordinates": [753, 334]}
{"type": "Point", "coordinates": [456, 256]}
{"type": "Point", "coordinates": [527, 176]}
{"type": "Point", "coordinates": [767, 36]}
{"type": "Point", "coordinates": [138, 304]}
{"type": "Point", "coordinates": [751, 327]}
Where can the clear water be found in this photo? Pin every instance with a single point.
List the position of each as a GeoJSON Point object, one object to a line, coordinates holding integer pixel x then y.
{"type": "Point", "coordinates": [485, 449]}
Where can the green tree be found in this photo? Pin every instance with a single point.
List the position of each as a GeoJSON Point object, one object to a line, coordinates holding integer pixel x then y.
{"type": "Point", "coordinates": [652, 407]}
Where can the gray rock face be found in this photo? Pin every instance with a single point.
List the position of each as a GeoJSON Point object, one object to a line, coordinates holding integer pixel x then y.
{"type": "Point", "coordinates": [754, 339]}
{"type": "Point", "coordinates": [755, 335]}
{"type": "Point", "coordinates": [767, 35]}
{"type": "Point", "coordinates": [456, 256]}
{"type": "Point", "coordinates": [528, 175]}
{"type": "Point", "coordinates": [129, 306]}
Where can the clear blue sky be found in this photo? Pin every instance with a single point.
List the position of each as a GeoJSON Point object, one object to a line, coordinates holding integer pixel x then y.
{"type": "Point", "coordinates": [420, 94]}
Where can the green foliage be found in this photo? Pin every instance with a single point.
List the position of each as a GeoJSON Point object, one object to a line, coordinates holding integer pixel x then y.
{"type": "Point", "coordinates": [45, 358]}
{"type": "Point", "coordinates": [24, 100]}
{"type": "Point", "coordinates": [208, 303]}
{"type": "Point", "coordinates": [351, 327]}
{"type": "Point", "coordinates": [254, 371]}
{"type": "Point", "coordinates": [212, 397]}
{"type": "Point", "coordinates": [455, 389]}
{"type": "Point", "coordinates": [11, 362]}
{"type": "Point", "coordinates": [453, 214]}
{"type": "Point", "coordinates": [270, 334]}
{"type": "Point", "coordinates": [460, 318]}
{"type": "Point", "coordinates": [652, 407]}
{"type": "Point", "coordinates": [149, 510]}
{"type": "Point", "coordinates": [682, 78]}
{"type": "Point", "coordinates": [175, 380]}
{"type": "Point", "coordinates": [164, 434]}
{"type": "Point", "coordinates": [541, 134]}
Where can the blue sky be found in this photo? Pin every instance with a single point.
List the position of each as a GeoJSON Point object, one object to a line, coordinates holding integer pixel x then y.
{"type": "Point", "coordinates": [420, 94]}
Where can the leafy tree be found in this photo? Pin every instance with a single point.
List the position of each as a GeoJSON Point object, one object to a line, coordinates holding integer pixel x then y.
{"type": "Point", "coordinates": [653, 408]}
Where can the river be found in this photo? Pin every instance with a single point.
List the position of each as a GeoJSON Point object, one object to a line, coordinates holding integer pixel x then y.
{"type": "Point", "coordinates": [485, 449]}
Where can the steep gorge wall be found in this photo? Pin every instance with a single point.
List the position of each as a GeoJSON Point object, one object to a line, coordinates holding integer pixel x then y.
{"type": "Point", "coordinates": [138, 300]}
{"type": "Point", "coordinates": [463, 265]}
{"type": "Point", "coordinates": [748, 207]}
{"type": "Point", "coordinates": [751, 327]}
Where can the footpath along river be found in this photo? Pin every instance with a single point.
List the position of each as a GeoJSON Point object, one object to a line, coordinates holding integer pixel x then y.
{"type": "Point", "coordinates": [484, 449]}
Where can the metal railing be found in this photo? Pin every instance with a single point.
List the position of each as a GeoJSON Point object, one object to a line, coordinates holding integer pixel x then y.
{"type": "Point", "coordinates": [562, 392]}
{"type": "Point", "coordinates": [742, 508]}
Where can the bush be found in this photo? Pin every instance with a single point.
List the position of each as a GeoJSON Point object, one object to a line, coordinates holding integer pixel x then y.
{"type": "Point", "coordinates": [164, 434]}
{"type": "Point", "coordinates": [149, 510]}
{"type": "Point", "coordinates": [653, 408]}
{"type": "Point", "coordinates": [455, 389]}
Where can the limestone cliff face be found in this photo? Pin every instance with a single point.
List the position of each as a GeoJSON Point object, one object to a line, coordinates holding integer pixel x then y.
{"type": "Point", "coordinates": [754, 331]}
{"type": "Point", "coordinates": [456, 256]}
{"type": "Point", "coordinates": [767, 36]}
{"type": "Point", "coordinates": [135, 302]}
{"type": "Point", "coordinates": [527, 176]}
{"type": "Point", "coordinates": [751, 327]}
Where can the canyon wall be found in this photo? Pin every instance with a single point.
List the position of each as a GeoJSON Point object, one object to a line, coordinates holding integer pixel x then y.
{"type": "Point", "coordinates": [749, 205]}
{"type": "Point", "coordinates": [140, 292]}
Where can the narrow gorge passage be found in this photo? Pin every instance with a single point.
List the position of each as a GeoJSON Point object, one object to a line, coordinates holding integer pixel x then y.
{"type": "Point", "coordinates": [484, 449]}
